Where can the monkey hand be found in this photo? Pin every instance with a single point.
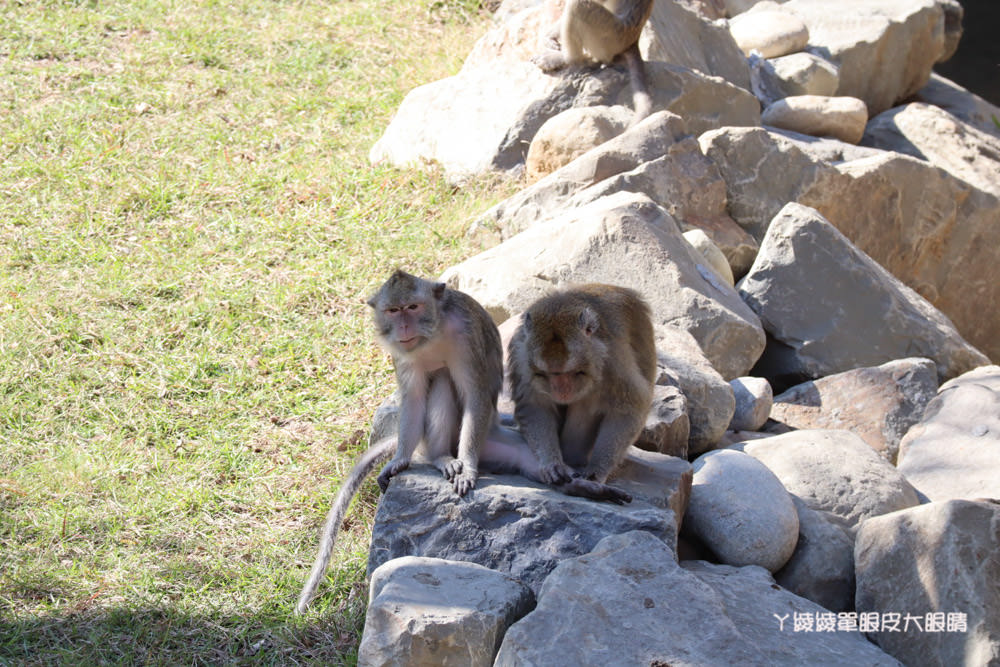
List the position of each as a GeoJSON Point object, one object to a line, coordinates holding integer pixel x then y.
{"type": "Point", "coordinates": [465, 481]}
{"type": "Point", "coordinates": [556, 472]}
{"type": "Point", "coordinates": [391, 469]}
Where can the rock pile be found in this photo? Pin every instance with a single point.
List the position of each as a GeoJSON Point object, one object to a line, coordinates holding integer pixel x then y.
{"type": "Point", "coordinates": [823, 291]}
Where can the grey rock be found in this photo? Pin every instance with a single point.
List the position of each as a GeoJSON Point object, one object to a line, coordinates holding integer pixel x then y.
{"type": "Point", "coordinates": [740, 510]}
{"type": "Point", "coordinates": [825, 326]}
{"type": "Point", "coordinates": [954, 451]}
{"type": "Point", "coordinates": [769, 32]}
{"type": "Point", "coordinates": [427, 611]}
{"type": "Point", "coordinates": [834, 471]}
{"type": "Point", "coordinates": [638, 607]}
{"type": "Point", "coordinates": [519, 527]}
{"type": "Point", "coordinates": [885, 48]}
{"type": "Point", "coordinates": [678, 36]}
{"type": "Point", "coordinates": [795, 74]}
{"type": "Point", "coordinates": [754, 398]}
{"type": "Point", "coordinates": [822, 567]}
{"type": "Point", "coordinates": [624, 239]}
{"type": "Point", "coordinates": [934, 232]}
{"type": "Point", "coordinates": [709, 397]}
{"type": "Point", "coordinates": [880, 403]}
{"type": "Point", "coordinates": [668, 426]}
{"type": "Point", "coordinates": [959, 102]}
{"type": "Point", "coordinates": [842, 118]}
{"type": "Point", "coordinates": [932, 134]}
{"type": "Point", "coordinates": [941, 560]}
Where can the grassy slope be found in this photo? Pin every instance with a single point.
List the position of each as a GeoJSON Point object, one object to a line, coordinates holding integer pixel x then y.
{"type": "Point", "coordinates": [188, 226]}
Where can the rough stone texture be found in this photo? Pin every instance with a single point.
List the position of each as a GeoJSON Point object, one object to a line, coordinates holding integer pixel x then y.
{"type": "Point", "coordinates": [879, 403]}
{"type": "Point", "coordinates": [954, 451]}
{"type": "Point", "coordinates": [741, 511]}
{"type": "Point", "coordinates": [885, 48]}
{"type": "Point", "coordinates": [668, 426]}
{"type": "Point", "coordinates": [519, 527]}
{"type": "Point", "coordinates": [710, 252]}
{"type": "Point", "coordinates": [939, 558]}
{"type": "Point", "coordinates": [754, 398]}
{"type": "Point", "coordinates": [427, 611]}
{"type": "Point", "coordinates": [842, 118]}
{"type": "Point", "coordinates": [709, 397]}
{"type": "Point", "coordinates": [834, 471]}
{"type": "Point", "coordinates": [565, 137]}
{"type": "Point", "coordinates": [959, 102]}
{"type": "Point", "coordinates": [795, 74]}
{"type": "Point", "coordinates": [822, 567]}
{"type": "Point", "coordinates": [706, 615]}
{"type": "Point", "coordinates": [932, 134]}
{"type": "Point", "coordinates": [934, 232]}
{"type": "Point", "coordinates": [769, 32]}
{"type": "Point", "coordinates": [831, 308]}
{"type": "Point", "coordinates": [655, 158]}
{"type": "Point", "coordinates": [624, 239]}
{"type": "Point", "coordinates": [678, 36]}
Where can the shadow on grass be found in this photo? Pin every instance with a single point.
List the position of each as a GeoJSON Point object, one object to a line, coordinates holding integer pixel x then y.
{"type": "Point", "coordinates": [145, 636]}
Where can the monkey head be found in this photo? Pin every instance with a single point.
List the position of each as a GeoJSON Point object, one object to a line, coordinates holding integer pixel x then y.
{"type": "Point", "coordinates": [564, 346]}
{"type": "Point", "coordinates": [406, 311]}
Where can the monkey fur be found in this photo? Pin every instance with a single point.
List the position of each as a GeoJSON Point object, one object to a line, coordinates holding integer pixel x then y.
{"type": "Point", "coordinates": [581, 367]}
{"type": "Point", "coordinates": [449, 367]}
{"type": "Point", "coordinates": [599, 31]}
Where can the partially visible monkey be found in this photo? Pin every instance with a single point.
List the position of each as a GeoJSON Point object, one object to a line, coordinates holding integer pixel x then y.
{"type": "Point", "coordinates": [599, 31]}
{"type": "Point", "coordinates": [449, 368]}
{"type": "Point", "coordinates": [581, 368]}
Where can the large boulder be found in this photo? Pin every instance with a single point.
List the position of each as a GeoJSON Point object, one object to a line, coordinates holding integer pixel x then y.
{"type": "Point", "coordinates": [960, 103]}
{"type": "Point", "coordinates": [954, 451]}
{"type": "Point", "coordinates": [628, 603]}
{"type": "Point", "coordinates": [917, 130]}
{"type": "Point", "coordinates": [933, 231]}
{"type": "Point", "coordinates": [878, 403]}
{"type": "Point", "coordinates": [834, 471]}
{"type": "Point", "coordinates": [623, 239]}
{"type": "Point", "coordinates": [428, 611]}
{"type": "Point", "coordinates": [830, 308]}
{"type": "Point", "coordinates": [929, 578]}
{"type": "Point", "coordinates": [656, 158]}
{"type": "Point", "coordinates": [519, 527]}
{"type": "Point", "coordinates": [822, 567]}
{"type": "Point", "coordinates": [740, 510]}
{"type": "Point", "coordinates": [885, 48]}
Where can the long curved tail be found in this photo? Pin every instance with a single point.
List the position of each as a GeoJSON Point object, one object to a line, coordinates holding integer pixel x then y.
{"type": "Point", "coordinates": [641, 100]}
{"type": "Point", "coordinates": [375, 454]}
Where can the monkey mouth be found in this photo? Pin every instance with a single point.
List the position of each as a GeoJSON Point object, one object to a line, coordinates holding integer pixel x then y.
{"type": "Point", "coordinates": [409, 343]}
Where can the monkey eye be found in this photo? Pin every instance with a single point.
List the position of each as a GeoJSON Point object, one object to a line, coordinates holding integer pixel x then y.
{"type": "Point", "coordinates": [392, 310]}
{"type": "Point", "coordinates": [413, 306]}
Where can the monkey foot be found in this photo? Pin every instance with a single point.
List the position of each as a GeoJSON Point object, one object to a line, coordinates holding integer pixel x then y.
{"type": "Point", "coordinates": [549, 61]}
{"type": "Point", "coordinates": [464, 482]}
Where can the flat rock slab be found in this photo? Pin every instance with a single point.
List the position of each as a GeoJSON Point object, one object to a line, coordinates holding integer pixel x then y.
{"type": "Point", "coordinates": [629, 603]}
{"type": "Point", "coordinates": [519, 527]}
{"type": "Point", "coordinates": [428, 611]}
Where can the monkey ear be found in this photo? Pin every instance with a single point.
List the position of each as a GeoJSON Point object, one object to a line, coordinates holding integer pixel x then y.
{"type": "Point", "coordinates": [438, 290]}
{"type": "Point", "coordinates": [588, 321]}
{"type": "Point", "coordinates": [371, 301]}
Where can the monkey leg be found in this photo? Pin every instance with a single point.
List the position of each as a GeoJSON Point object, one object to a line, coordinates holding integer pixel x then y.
{"type": "Point", "coordinates": [441, 426]}
{"type": "Point", "coordinates": [615, 434]}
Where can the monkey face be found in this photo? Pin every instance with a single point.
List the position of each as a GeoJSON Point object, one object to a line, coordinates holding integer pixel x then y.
{"type": "Point", "coordinates": [408, 324]}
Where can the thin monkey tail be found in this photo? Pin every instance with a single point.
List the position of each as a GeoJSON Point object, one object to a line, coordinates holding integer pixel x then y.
{"type": "Point", "coordinates": [641, 100]}
{"type": "Point", "coordinates": [375, 454]}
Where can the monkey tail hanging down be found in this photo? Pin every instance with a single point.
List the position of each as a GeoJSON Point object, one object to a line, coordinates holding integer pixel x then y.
{"type": "Point", "coordinates": [599, 31]}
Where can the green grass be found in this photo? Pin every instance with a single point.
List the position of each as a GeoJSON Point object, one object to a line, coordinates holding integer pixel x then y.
{"type": "Point", "coordinates": [188, 229]}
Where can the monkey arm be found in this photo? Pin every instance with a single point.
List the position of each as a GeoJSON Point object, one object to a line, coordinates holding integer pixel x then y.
{"type": "Point", "coordinates": [614, 436]}
{"type": "Point", "coordinates": [540, 428]}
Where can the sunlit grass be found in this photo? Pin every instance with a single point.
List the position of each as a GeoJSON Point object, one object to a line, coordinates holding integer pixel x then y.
{"type": "Point", "coordinates": [188, 229]}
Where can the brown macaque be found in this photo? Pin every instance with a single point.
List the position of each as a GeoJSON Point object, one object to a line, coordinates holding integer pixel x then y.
{"type": "Point", "coordinates": [599, 31]}
{"type": "Point", "coordinates": [449, 369]}
{"type": "Point", "coordinates": [581, 368]}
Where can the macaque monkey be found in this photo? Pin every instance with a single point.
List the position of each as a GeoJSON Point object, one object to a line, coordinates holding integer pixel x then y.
{"type": "Point", "coordinates": [449, 369]}
{"type": "Point", "coordinates": [598, 31]}
{"type": "Point", "coordinates": [582, 367]}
